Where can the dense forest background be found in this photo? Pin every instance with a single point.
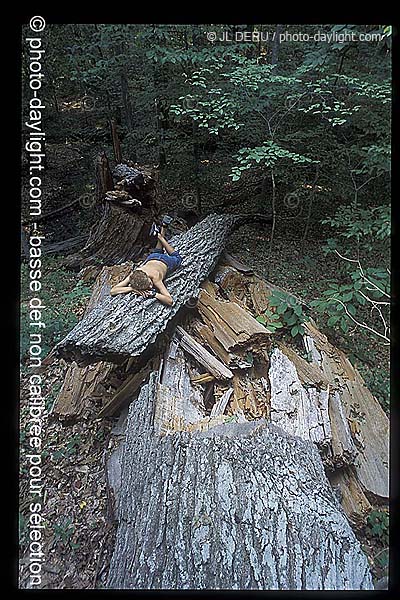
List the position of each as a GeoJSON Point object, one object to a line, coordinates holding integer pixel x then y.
{"type": "Point", "coordinates": [299, 130]}
{"type": "Point", "coordinates": [296, 129]}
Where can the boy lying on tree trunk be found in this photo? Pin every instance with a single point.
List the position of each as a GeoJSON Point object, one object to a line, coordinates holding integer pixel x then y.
{"type": "Point", "coordinates": [147, 280]}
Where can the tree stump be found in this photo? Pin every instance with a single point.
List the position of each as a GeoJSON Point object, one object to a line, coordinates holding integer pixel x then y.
{"type": "Point", "coordinates": [126, 215]}
{"type": "Point", "coordinates": [241, 506]}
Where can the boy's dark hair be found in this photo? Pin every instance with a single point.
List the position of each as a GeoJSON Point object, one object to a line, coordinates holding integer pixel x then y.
{"type": "Point", "coordinates": [139, 280]}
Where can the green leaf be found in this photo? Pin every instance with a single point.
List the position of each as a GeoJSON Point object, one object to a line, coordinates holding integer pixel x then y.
{"type": "Point", "coordinates": [351, 308]}
{"type": "Point", "coordinates": [333, 320]}
{"type": "Point", "coordinates": [347, 297]}
{"type": "Point", "coordinates": [294, 331]}
{"type": "Point", "coordinates": [298, 310]}
{"type": "Point", "coordinates": [291, 320]}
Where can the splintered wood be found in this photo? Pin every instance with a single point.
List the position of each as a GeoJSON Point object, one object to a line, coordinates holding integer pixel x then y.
{"type": "Point", "coordinates": [93, 383]}
{"type": "Point", "coordinates": [212, 364]}
{"type": "Point", "coordinates": [232, 326]}
{"type": "Point", "coordinates": [369, 425]}
{"type": "Point", "coordinates": [178, 401]}
{"type": "Point", "coordinates": [221, 365]}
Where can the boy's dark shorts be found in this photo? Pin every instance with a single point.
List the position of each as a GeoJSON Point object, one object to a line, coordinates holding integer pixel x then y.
{"type": "Point", "coordinates": [173, 261]}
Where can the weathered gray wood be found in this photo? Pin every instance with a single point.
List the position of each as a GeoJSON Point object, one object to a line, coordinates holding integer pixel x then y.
{"type": "Point", "coordinates": [241, 506]}
{"type": "Point", "coordinates": [369, 423]}
{"type": "Point", "coordinates": [125, 325]}
{"type": "Point", "coordinates": [220, 406]}
{"type": "Point", "coordinates": [202, 356]}
{"type": "Point", "coordinates": [343, 450]}
{"type": "Point", "coordinates": [298, 410]}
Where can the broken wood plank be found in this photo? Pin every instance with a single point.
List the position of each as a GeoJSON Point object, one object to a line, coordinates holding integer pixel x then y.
{"type": "Point", "coordinates": [232, 326]}
{"type": "Point", "coordinates": [202, 356]}
{"type": "Point", "coordinates": [125, 393]}
{"type": "Point", "coordinates": [204, 378]}
{"type": "Point", "coordinates": [82, 385]}
{"type": "Point", "coordinates": [221, 404]}
{"type": "Point", "coordinates": [229, 359]}
{"type": "Point", "coordinates": [194, 506]}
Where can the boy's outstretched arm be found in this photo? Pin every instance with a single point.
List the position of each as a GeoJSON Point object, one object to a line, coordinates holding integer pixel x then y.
{"type": "Point", "coordinates": [163, 294]}
{"type": "Point", "coordinates": [122, 287]}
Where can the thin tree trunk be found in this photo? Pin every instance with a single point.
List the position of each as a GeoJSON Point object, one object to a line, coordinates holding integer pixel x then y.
{"type": "Point", "coordinates": [126, 101]}
{"type": "Point", "coordinates": [196, 167]}
{"type": "Point", "coordinates": [116, 142]}
{"type": "Point", "coordinates": [310, 206]}
{"type": "Point", "coordinates": [275, 46]}
{"type": "Point", "coordinates": [273, 212]}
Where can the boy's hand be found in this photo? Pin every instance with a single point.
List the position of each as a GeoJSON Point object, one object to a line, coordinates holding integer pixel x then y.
{"type": "Point", "coordinates": [145, 293]}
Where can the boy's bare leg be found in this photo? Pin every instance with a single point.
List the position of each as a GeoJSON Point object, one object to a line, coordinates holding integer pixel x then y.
{"type": "Point", "coordinates": [159, 245]}
{"type": "Point", "coordinates": [167, 247]}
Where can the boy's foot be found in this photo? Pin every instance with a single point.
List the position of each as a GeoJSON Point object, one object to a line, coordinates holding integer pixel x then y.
{"type": "Point", "coordinates": [154, 230]}
{"type": "Point", "coordinates": [167, 220]}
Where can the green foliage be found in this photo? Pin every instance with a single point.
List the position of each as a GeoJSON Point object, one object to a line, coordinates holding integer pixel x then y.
{"type": "Point", "coordinates": [340, 302]}
{"type": "Point", "coordinates": [69, 449]}
{"type": "Point", "coordinates": [267, 155]}
{"type": "Point", "coordinates": [63, 300]}
{"type": "Point", "coordinates": [288, 314]}
{"type": "Point", "coordinates": [64, 531]}
{"type": "Point", "coordinates": [23, 530]}
{"type": "Point", "coordinates": [377, 380]}
{"type": "Point", "coordinates": [377, 526]}
{"type": "Point", "coordinates": [351, 221]}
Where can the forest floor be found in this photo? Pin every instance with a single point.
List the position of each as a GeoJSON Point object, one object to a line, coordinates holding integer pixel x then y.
{"type": "Point", "coordinates": [80, 529]}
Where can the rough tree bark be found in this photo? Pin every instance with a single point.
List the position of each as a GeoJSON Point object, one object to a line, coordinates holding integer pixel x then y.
{"type": "Point", "coordinates": [240, 506]}
{"type": "Point", "coordinates": [125, 325]}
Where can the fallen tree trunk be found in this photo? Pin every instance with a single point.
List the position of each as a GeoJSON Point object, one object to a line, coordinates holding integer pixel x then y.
{"type": "Point", "coordinates": [125, 325]}
{"type": "Point", "coordinates": [65, 246]}
{"type": "Point", "coordinates": [240, 506]}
